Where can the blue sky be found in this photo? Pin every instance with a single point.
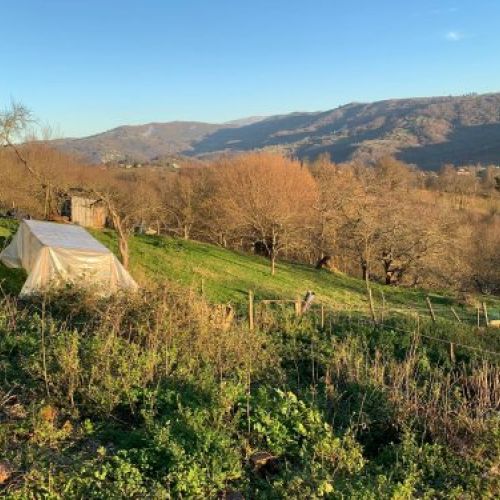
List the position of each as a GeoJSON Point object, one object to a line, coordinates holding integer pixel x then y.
{"type": "Point", "coordinates": [84, 66]}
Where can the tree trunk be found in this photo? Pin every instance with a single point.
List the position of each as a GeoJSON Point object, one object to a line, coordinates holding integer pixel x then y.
{"type": "Point", "coordinates": [364, 270]}
{"type": "Point", "coordinates": [388, 272]}
{"type": "Point", "coordinates": [124, 251]}
{"type": "Point", "coordinates": [122, 237]}
{"type": "Point", "coordinates": [272, 251]}
{"type": "Point", "coordinates": [324, 261]}
{"type": "Point", "coordinates": [47, 202]}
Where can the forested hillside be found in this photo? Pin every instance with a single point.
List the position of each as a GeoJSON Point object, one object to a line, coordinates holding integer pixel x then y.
{"type": "Point", "coordinates": [428, 132]}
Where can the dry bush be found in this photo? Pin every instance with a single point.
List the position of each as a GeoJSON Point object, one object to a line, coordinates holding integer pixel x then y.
{"type": "Point", "coordinates": [458, 407]}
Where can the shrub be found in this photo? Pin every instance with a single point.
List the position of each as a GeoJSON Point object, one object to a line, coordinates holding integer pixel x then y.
{"type": "Point", "coordinates": [310, 454]}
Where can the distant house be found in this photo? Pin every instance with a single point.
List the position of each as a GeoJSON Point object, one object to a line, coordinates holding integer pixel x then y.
{"type": "Point", "coordinates": [85, 212]}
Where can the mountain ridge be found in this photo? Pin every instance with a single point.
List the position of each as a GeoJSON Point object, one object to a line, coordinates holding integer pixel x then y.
{"type": "Point", "coordinates": [427, 131]}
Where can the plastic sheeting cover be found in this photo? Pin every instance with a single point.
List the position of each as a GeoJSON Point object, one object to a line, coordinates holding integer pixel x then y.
{"type": "Point", "coordinates": [57, 253]}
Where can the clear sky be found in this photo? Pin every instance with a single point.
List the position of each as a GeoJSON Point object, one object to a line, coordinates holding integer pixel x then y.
{"type": "Point", "coordinates": [84, 66]}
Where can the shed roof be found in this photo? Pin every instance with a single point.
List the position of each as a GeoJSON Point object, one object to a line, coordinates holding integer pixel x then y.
{"type": "Point", "coordinates": [68, 236]}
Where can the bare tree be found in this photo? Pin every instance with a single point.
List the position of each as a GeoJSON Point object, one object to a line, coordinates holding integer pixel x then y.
{"type": "Point", "coordinates": [14, 122]}
{"type": "Point", "coordinates": [181, 200]}
{"type": "Point", "coordinates": [42, 165]}
{"type": "Point", "coordinates": [268, 198]}
{"type": "Point", "coordinates": [131, 202]}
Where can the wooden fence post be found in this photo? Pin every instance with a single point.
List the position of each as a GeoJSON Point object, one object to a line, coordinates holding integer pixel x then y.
{"type": "Point", "coordinates": [431, 310]}
{"type": "Point", "coordinates": [383, 305]}
{"type": "Point", "coordinates": [250, 309]}
{"type": "Point", "coordinates": [370, 299]}
{"type": "Point", "coordinates": [456, 315]}
{"type": "Point", "coordinates": [418, 324]}
{"type": "Point", "coordinates": [485, 311]}
{"type": "Point", "coordinates": [322, 316]}
{"type": "Point", "coordinates": [298, 306]}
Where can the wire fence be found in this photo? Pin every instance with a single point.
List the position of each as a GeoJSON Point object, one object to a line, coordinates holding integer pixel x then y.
{"type": "Point", "coordinates": [419, 320]}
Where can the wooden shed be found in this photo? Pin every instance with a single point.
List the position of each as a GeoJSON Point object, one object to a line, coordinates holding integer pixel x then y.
{"type": "Point", "coordinates": [87, 212]}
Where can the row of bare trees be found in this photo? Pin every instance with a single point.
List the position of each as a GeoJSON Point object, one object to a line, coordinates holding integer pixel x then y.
{"type": "Point", "coordinates": [378, 222]}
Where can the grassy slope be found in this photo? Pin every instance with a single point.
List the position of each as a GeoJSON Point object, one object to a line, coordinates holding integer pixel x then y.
{"type": "Point", "coordinates": [228, 275]}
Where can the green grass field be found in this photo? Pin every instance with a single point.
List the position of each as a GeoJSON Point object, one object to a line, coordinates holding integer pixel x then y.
{"type": "Point", "coordinates": [227, 276]}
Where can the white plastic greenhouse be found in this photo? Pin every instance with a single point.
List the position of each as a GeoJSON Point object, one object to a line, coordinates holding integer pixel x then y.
{"type": "Point", "coordinates": [53, 254]}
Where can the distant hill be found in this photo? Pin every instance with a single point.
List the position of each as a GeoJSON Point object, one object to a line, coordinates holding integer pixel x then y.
{"type": "Point", "coordinates": [426, 131]}
{"type": "Point", "coordinates": [250, 120]}
{"type": "Point", "coordinates": [139, 143]}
